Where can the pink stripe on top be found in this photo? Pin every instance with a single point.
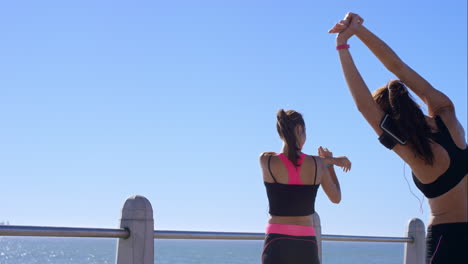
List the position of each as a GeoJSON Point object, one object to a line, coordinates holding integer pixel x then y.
{"type": "Point", "coordinates": [293, 171]}
{"type": "Point", "coordinates": [291, 230]}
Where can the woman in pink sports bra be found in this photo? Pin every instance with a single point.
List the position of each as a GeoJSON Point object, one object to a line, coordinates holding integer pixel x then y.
{"type": "Point", "coordinates": [292, 180]}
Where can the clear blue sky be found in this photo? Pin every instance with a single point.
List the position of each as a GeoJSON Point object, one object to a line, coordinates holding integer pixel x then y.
{"type": "Point", "coordinates": [175, 100]}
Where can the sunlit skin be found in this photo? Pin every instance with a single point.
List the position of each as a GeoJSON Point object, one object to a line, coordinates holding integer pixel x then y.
{"type": "Point", "coordinates": [325, 176]}
{"type": "Point", "coordinates": [452, 206]}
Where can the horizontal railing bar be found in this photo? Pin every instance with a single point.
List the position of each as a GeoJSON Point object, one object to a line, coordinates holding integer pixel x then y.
{"type": "Point", "coordinates": [207, 235]}
{"type": "Point", "coordinates": [165, 234]}
{"type": "Point", "coordinates": [367, 238]}
{"type": "Point", "coordinates": [49, 231]}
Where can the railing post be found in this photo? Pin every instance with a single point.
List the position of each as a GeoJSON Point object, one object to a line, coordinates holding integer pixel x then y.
{"type": "Point", "coordinates": [415, 253]}
{"type": "Point", "coordinates": [318, 234]}
{"type": "Point", "coordinates": [137, 217]}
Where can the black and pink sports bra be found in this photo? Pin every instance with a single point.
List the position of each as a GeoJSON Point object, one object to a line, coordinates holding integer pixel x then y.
{"type": "Point", "coordinates": [293, 198]}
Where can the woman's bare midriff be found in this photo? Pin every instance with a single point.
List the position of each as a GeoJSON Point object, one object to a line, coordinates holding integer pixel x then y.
{"type": "Point", "coordinates": [292, 220]}
{"type": "Point", "coordinates": [450, 207]}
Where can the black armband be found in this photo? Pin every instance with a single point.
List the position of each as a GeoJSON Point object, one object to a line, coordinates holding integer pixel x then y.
{"type": "Point", "coordinates": [391, 134]}
{"type": "Point", "coordinates": [387, 140]}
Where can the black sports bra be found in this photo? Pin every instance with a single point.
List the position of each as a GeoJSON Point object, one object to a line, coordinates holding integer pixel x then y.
{"type": "Point", "coordinates": [291, 199]}
{"type": "Point", "coordinates": [458, 164]}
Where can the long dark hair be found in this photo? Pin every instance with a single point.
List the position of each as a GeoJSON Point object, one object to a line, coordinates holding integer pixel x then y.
{"type": "Point", "coordinates": [286, 123]}
{"type": "Point", "coordinates": [395, 100]}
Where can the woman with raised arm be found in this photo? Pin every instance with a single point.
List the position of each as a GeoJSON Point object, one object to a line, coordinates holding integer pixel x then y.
{"type": "Point", "coordinates": [433, 146]}
{"type": "Point", "coordinates": [292, 180]}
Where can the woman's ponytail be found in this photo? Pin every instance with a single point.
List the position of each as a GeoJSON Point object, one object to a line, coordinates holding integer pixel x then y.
{"type": "Point", "coordinates": [410, 120]}
{"type": "Point", "coordinates": [286, 124]}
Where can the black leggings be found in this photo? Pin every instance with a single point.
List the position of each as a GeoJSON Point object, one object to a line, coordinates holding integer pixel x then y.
{"type": "Point", "coordinates": [285, 249]}
{"type": "Point", "coordinates": [447, 244]}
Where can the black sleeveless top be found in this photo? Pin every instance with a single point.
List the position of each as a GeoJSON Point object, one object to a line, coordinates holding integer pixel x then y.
{"type": "Point", "coordinates": [458, 164]}
{"type": "Point", "coordinates": [291, 199]}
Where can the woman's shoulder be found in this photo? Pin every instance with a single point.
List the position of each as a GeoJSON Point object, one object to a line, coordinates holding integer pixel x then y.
{"type": "Point", "coordinates": [313, 159]}
{"type": "Point", "coordinates": [266, 155]}
{"type": "Point", "coordinates": [447, 122]}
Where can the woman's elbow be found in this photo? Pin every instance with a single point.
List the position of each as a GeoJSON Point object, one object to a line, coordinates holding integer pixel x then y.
{"type": "Point", "coordinates": [336, 199]}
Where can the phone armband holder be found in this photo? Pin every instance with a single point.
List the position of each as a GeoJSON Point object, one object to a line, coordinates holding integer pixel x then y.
{"type": "Point", "coordinates": [387, 140]}
{"type": "Point", "coordinates": [390, 136]}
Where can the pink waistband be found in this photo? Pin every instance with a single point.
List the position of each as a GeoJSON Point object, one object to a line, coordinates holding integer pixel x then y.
{"type": "Point", "coordinates": [291, 230]}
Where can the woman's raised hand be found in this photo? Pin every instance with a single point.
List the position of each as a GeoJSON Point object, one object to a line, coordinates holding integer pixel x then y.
{"type": "Point", "coordinates": [347, 27]}
{"type": "Point", "coordinates": [342, 24]}
{"type": "Point", "coordinates": [342, 161]}
{"type": "Point", "coordinates": [324, 152]}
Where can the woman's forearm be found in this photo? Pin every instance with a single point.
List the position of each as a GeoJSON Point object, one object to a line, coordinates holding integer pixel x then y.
{"type": "Point", "coordinates": [356, 84]}
{"type": "Point", "coordinates": [333, 178]}
{"type": "Point", "coordinates": [380, 49]}
{"type": "Point", "coordinates": [359, 90]}
{"type": "Point", "coordinates": [435, 99]}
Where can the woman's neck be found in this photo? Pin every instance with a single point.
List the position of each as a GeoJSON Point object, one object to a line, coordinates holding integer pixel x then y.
{"type": "Point", "coordinates": [285, 151]}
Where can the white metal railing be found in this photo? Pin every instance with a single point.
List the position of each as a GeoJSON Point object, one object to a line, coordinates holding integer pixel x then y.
{"type": "Point", "coordinates": [136, 235]}
{"type": "Point", "coordinates": [49, 231]}
{"type": "Point", "coordinates": [167, 234]}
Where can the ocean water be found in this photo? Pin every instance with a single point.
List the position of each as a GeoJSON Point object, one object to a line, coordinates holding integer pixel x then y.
{"type": "Point", "coordinates": [17, 250]}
